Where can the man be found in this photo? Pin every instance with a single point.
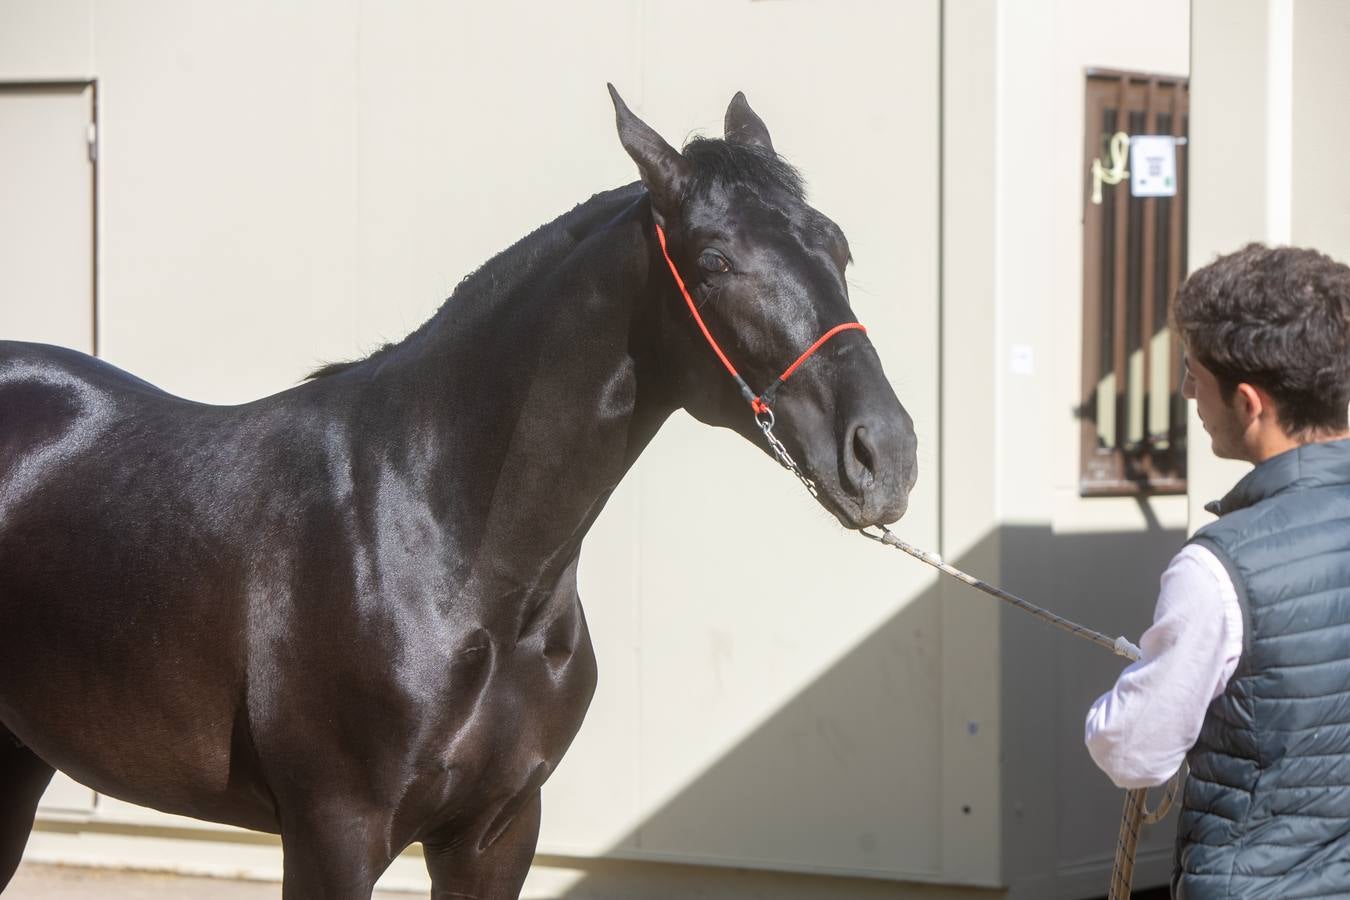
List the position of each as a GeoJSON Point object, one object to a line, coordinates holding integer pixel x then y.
{"type": "Point", "coordinates": [1246, 669]}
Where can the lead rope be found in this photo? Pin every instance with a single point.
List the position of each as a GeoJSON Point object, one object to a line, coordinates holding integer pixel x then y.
{"type": "Point", "coordinates": [1135, 815]}
{"type": "Point", "coordinates": [1136, 812]}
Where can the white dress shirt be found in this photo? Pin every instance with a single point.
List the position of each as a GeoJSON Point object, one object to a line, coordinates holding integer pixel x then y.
{"type": "Point", "coordinates": [1140, 731]}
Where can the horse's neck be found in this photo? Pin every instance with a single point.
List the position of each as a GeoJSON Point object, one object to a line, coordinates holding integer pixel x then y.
{"type": "Point", "coordinates": [529, 406]}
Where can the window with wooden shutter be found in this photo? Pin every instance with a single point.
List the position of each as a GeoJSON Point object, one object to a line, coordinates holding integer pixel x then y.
{"type": "Point", "coordinates": [1134, 256]}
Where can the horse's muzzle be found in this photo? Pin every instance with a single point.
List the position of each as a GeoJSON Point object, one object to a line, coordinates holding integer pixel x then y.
{"type": "Point", "coordinates": [878, 467]}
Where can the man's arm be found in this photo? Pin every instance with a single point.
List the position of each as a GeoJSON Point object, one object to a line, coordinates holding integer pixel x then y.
{"type": "Point", "coordinates": [1140, 731]}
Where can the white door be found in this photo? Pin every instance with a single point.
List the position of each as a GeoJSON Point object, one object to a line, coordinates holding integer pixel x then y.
{"type": "Point", "coordinates": [47, 248]}
{"type": "Point", "coordinates": [47, 215]}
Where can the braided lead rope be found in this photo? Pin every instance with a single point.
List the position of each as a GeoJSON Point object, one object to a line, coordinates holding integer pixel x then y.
{"type": "Point", "coordinates": [1122, 869]}
{"type": "Point", "coordinates": [1119, 646]}
{"type": "Point", "coordinates": [1136, 812]}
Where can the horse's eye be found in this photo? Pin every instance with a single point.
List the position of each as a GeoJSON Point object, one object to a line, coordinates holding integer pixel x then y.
{"type": "Point", "coordinates": [712, 261]}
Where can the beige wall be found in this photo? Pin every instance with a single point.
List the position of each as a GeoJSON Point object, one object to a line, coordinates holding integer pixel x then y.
{"type": "Point", "coordinates": [1319, 79]}
{"type": "Point", "coordinates": [1269, 91]}
{"type": "Point", "coordinates": [1012, 283]}
{"type": "Point", "coordinates": [282, 184]}
{"type": "Point", "coordinates": [971, 645]}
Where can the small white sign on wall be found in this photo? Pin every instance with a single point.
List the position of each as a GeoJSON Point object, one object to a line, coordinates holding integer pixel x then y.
{"type": "Point", "coordinates": [1153, 165]}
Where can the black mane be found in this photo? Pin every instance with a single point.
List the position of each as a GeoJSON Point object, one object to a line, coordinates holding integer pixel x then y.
{"type": "Point", "coordinates": [712, 161]}
{"type": "Point", "coordinates": [535, 252]}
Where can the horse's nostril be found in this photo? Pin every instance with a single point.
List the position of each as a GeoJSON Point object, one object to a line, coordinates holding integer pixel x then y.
{"type": "Point", "coordinates": [862, 451]}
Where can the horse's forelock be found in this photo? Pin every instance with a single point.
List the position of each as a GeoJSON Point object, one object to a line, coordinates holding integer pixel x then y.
{"type": "Point", "coordinates": [715, 162]}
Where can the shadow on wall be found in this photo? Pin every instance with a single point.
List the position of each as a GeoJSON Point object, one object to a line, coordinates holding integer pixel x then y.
{"type": "Point", "coordinates": [1060, 815]}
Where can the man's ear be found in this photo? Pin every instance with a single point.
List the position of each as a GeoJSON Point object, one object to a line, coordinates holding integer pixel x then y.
{"type": "Point", "coordinates": [1251, 403]}
{"type": "Point", "coordinates": [662, 169]}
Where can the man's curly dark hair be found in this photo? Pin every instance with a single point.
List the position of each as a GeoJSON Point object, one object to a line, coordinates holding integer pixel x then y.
{"type": "Point", "coordinates": [1277, 318]}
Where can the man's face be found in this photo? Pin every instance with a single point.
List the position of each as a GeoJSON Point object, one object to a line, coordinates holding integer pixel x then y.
{"type": "Point", "coordinates": [1217, 413]}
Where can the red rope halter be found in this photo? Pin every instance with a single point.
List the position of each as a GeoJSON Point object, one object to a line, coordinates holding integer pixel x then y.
{"type": "Point", "coordinates": [758, 402]}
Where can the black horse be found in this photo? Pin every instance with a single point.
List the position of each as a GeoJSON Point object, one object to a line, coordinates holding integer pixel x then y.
{"type": "Point", "coordinates": [348, 613]}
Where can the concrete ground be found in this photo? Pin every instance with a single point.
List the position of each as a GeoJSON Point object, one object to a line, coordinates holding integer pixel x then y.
{"type": "Point", "coordinates": [43, 882]}
{"type": "Point", "coordinates": [39, 882]}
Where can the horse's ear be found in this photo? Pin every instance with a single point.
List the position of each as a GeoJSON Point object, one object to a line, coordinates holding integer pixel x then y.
{"type": "Point", "coordinates": [664, 171]}
{"type": "Point", "coordinates": [742, 126]}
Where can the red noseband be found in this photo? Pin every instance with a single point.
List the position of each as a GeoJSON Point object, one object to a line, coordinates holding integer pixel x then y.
{"type": "Point", "coordinates": [759, 403]}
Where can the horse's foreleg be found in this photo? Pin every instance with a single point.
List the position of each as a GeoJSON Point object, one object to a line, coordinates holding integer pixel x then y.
{"type": "Point", "coordinates": [23, 778]}
{"type": "Point", "coordinates": [335, 856]}
{"type": "Point", "coordinates": [497, 872]}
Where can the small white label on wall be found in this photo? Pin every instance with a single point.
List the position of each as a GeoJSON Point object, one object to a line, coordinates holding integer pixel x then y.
{"type": "Point", "coordinates": [1153, 165]}
{"type": "Point", "coordinates": [1021, 360]}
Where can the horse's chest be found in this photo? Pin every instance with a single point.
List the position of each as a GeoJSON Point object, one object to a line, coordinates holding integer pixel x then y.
{"type": "Point", "coordinates": [546, 676]}
{"type": "Point", "coordinates": [512, 703]}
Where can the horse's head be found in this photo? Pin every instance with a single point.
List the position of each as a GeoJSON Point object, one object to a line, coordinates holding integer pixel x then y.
{"type": "Point", "coordinates": [765, 272]}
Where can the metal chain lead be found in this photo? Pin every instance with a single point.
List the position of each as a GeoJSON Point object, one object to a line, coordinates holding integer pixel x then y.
{"type": "Point", "coordinates": [765, 422]}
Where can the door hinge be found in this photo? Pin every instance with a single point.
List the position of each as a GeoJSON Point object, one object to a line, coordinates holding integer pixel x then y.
{"type": "Point", "coordinates": [91, 136]}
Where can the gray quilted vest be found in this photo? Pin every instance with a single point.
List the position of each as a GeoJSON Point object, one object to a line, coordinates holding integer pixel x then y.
{"type": "Point", "coordinates": [1266, 810]}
